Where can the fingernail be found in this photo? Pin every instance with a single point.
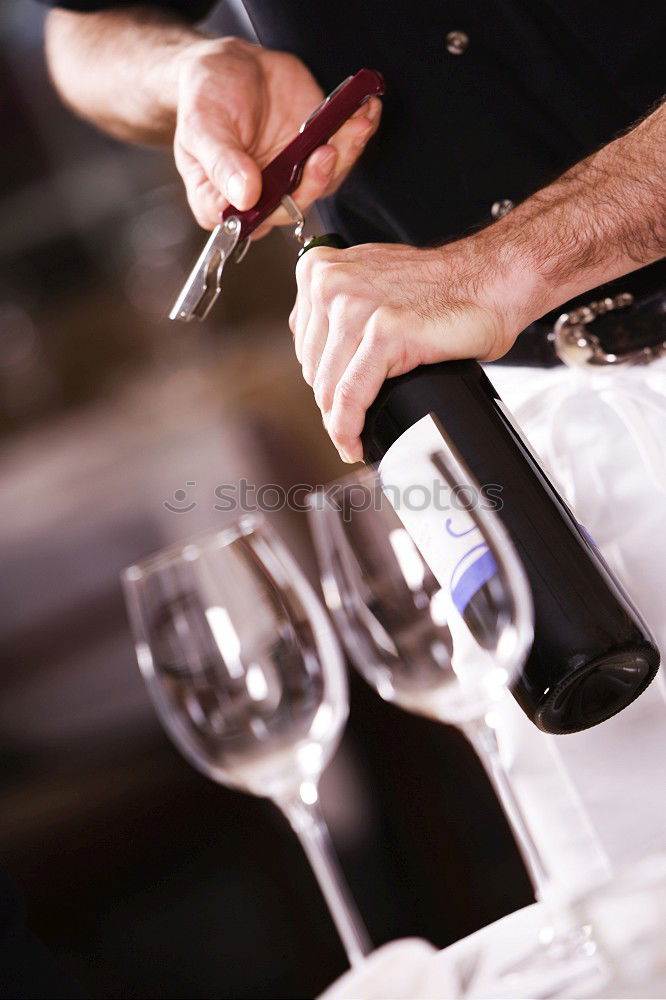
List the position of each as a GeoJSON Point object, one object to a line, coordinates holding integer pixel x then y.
{"type": "Point", "coordinates": [361, 139]}
{"type": "Point", "coordinates": [356, 453]}
{"type": "Point", "coordinates": [371, 112]}
{"type": "Point", "coordinates": [236, 187]}
{"type": "Point", "coordinates": [327, 163]}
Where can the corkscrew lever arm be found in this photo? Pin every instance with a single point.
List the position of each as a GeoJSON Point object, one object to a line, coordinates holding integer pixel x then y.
{"type": "Point", "coordinates": [229, 239]}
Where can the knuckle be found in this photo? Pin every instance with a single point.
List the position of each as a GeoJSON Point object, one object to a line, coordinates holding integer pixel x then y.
{"type": "Point", "coordinates": [304, 269]}
{"type": "Point", "coordinates": [318, 282]}
{"type": "Point", "coordinates": [287, 60]}
{"type": "Point", "coordinates": [292, 63]}
{"type": "Point", "coordinates": [324, 281]}
{"type": "Point", "coordinates": [350, 300]}
{"type": "Point", "coordinates": [345, 394]}
{"type": "Point", "coordinates": [337, 283]}
{"type": "Point", "coordinates": [314, 260]}
{"type": "Point", "coordinates": [322, 392]}
{"type": "Point", "coordinates": [376, 332]}
{"type": "Point", "coordinates": [231, 46]}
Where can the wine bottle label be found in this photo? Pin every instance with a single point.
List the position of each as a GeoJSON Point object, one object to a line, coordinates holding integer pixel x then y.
{"type": "Point", "coordinates": [437, 514]}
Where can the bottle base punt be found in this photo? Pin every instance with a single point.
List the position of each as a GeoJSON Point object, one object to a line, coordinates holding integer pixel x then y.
{"type": "Point", "coordinates": [597, 691]}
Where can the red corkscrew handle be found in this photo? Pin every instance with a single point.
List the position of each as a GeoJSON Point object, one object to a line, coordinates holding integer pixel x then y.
{"type": "Point", "coordinates": [283, 174]}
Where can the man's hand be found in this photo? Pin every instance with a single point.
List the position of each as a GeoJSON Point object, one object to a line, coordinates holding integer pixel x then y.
{"type": "Point", "coordinates": [228, 106]}
{"type": "Point", "coordinates": [369, 313]}
{"type": "Point", "coordinates": [238, 106]}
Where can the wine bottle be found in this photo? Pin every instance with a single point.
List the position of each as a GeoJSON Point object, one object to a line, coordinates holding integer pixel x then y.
{"type": "Point", "coordinates": [592, 654]}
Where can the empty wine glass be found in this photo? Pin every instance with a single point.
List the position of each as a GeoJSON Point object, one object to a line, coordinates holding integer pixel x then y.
{"type": "Point", "coordinates": [401, 627]}
{"type": "Point", "coordinates": [628, 913]}
{"type": "Point", "coordinates": [435, 611]}
{"type": "Point", "coordinates": [246, 675]}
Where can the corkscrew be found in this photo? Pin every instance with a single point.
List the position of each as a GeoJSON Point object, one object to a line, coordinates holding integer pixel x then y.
{"type": "Point", "coordinates": [230, 238]}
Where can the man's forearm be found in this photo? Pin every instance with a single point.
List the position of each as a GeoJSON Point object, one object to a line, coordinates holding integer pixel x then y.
{"type": "Point", "coordinates": [603, 218]}
{"type": "Point", "coordinates": [119, 68]}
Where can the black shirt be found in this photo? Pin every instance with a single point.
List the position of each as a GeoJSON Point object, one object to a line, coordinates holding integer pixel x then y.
{"type": "Point", "coordinates": [532, 87]}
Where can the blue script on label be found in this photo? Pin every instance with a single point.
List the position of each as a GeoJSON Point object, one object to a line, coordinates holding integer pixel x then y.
{"type": "Point", "coordinates": [434, 515]}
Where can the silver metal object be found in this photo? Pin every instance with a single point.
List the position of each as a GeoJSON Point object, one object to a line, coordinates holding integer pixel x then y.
{"type": "Point", "coordinates": [579, 348]}
{"type": "Point", "coordinates": [229, 240]}
{"type": "Point", "coordinates": [203, 285]}
{"type": "Point", "coordinates": [295, 214]}
{"type": "Point", "coordinates": [500, 208]}
{"type": "Point", "coordinates": [457, 42]}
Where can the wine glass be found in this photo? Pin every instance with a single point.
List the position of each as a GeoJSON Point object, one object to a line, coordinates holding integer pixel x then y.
{"type": "Point", "coordinates": [246, 675]}
{"type": "Point", "coordinates": [435, 612]}
{"type": "Point", "coordinates": [628, 913]}
{"type": "Point", "coordinates": [402, 629]}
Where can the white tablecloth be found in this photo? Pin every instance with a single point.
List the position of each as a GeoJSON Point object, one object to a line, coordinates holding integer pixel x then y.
{"type": "Point", "coordinates": [617, 768]}
{"type": "Point", "coordinates": [602, 440]}
{"type": "Point", "coordinates": [488, 965]}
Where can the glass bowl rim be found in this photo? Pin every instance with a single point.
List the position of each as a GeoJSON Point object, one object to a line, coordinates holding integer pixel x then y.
{"type": "Point", "coordinates": [211, 538]}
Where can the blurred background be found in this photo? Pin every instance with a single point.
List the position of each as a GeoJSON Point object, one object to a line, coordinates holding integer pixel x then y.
{"type": "Point", "coordinates": [143, 878]}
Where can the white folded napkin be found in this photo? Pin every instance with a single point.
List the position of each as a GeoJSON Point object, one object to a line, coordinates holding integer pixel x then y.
{"type": "Point", "coordinates": [396, 971]}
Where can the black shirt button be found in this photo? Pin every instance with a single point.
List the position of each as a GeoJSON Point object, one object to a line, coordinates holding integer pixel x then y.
{"type": "Point", "coordinates": [456, 42]}
{"type": "Point", "coordinates": [500, 208]}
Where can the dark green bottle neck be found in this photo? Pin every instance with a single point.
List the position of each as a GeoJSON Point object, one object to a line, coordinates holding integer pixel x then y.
{"type": "Point", "coordinates": [326, 240]}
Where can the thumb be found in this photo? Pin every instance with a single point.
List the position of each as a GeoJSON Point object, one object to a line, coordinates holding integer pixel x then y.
{"type": "Point", "coordinates": [230, 169]}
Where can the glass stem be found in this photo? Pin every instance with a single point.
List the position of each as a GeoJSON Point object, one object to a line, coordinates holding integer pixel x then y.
{"type": "Point", "coordinates": [310, 827]}
{"type": "Point", "coordinates": [484, 740]}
